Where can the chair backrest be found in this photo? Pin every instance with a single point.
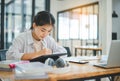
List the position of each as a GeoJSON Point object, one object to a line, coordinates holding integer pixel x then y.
{"type": "Point", "coordinates": [68, 51]}
{"type": "Point", "coordinates": [3, 54]}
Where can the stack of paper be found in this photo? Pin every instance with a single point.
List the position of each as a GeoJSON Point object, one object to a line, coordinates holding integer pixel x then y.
{"type": "Point", "coordinates": [21, 75]}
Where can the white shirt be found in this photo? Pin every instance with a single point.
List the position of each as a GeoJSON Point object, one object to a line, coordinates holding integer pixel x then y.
{"type": "Point", "coordinates": [24, 43]}
{"type": "Point", "coordinates": [38, 45]}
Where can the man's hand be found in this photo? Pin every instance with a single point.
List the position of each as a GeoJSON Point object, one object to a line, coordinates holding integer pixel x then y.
{"type": "Point", "coordinates": [29, 56]}
{"type": "Point", "coordinates": [44, 51]}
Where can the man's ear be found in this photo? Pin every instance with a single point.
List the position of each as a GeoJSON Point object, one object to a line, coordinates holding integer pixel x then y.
{"type": "Point", "coordinates": [34, 25]}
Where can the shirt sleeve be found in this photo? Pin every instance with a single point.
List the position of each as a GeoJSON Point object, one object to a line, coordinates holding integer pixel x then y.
{"type": "Point", "coordinates": [14, 50]}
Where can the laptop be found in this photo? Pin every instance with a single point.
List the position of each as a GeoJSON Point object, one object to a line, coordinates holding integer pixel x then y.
{"type": "Point", "coordinates": [44, 57]}
{"type": "Point", "coordinates": [113, 59]}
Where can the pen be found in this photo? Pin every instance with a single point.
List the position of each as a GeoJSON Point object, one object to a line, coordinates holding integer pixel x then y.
{"type": "Point", "coordinates": [43, 45]}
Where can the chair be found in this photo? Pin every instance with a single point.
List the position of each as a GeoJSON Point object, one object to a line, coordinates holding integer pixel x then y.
{"type": "Point", "coordinates": [68, 51]}
{"type": "Point", "coordinates": [0, 79]}
{"type": "Point", "coordinates": [92, 44]}
{"type": "Point", "coordinates": [3, 54]}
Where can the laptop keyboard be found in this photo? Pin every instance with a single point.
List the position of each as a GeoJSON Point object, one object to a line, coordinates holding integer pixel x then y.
{"type": "Point", "coordinates": [103, 64]}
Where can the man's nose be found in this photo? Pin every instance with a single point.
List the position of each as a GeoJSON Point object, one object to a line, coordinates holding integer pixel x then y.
{"type": "Point", "coordinates": [45, 34]}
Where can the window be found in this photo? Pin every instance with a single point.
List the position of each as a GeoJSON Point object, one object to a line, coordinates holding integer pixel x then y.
{"type": "Point", "coordinates": [17, 17]}
{"type": "Point", "coordinates": [0, 24]}
{"type": "Point", "coordinates": [79, 23]}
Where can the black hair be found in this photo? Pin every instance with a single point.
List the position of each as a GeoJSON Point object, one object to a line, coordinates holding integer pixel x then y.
{"type": "Point", "coordinates": [43, 18]}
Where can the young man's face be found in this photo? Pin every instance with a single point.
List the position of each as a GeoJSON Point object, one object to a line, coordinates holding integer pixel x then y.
{"type": "Point", "coordinates": [42, 31]}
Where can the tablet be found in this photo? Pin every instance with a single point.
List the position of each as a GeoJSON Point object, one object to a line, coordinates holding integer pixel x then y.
{"type": "Point", "coordinates": [44, 57]}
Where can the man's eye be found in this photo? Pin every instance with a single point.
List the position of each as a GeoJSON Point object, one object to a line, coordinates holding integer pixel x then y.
{"type": "Point", "coordinates": [43, 30]}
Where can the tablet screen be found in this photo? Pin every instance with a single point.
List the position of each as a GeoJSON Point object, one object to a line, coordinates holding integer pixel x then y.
{"type": "Point", "coordinates": [44, 57]}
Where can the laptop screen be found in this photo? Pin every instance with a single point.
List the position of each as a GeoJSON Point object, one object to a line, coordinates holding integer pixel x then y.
{"type": "Point", "coordinates": [112, 59]}
{"type": "Point", "coordinates": [114, 54]}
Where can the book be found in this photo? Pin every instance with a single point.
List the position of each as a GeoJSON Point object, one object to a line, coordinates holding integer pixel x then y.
{"type": "Point", "coordinates": [32, 70]}
{"type": "Point", "coordinates": [9, 65]}
{"type": "Point", "coordinates": [6, 69]}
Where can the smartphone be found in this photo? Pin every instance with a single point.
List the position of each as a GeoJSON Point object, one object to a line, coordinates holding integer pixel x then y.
{"type": "Point", "coordinates": [80, 62]}
{"type": "Point", "coordinates": [83, 62]}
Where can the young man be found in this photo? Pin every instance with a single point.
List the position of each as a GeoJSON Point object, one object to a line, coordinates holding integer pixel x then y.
{"type": "Point", "coordinates": [35, 42]}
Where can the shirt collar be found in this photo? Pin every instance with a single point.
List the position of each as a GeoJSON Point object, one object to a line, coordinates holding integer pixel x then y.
{"type": "Point", "coordinates": [29, 37]}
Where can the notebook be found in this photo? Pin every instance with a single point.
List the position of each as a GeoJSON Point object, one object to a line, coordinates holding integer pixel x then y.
{"type": "Point", "coordinates": [44, 57]}
{"type": "Point", "coordinates": [113, 59]}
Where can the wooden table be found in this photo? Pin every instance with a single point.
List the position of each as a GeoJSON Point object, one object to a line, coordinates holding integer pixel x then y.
{"type": "Point", "coordinates": [94, 48]}
{"type": "Point", "coordinates": [76, 71]}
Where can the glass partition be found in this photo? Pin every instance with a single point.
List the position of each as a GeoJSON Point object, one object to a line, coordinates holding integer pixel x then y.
{"type": "Point", "coordinates": [0, 23]}
{"type": "Point", "coordinates": [18, 15]}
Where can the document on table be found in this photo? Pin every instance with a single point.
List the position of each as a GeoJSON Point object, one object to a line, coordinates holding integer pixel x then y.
{"type": "Point", "coordinates": [81, 58]}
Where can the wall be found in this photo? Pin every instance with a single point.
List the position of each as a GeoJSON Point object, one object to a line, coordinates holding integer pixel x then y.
{"type": "Point", "coordinates": [116, 21]}
{"type": "Point", "coordinates": [105, 18]}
